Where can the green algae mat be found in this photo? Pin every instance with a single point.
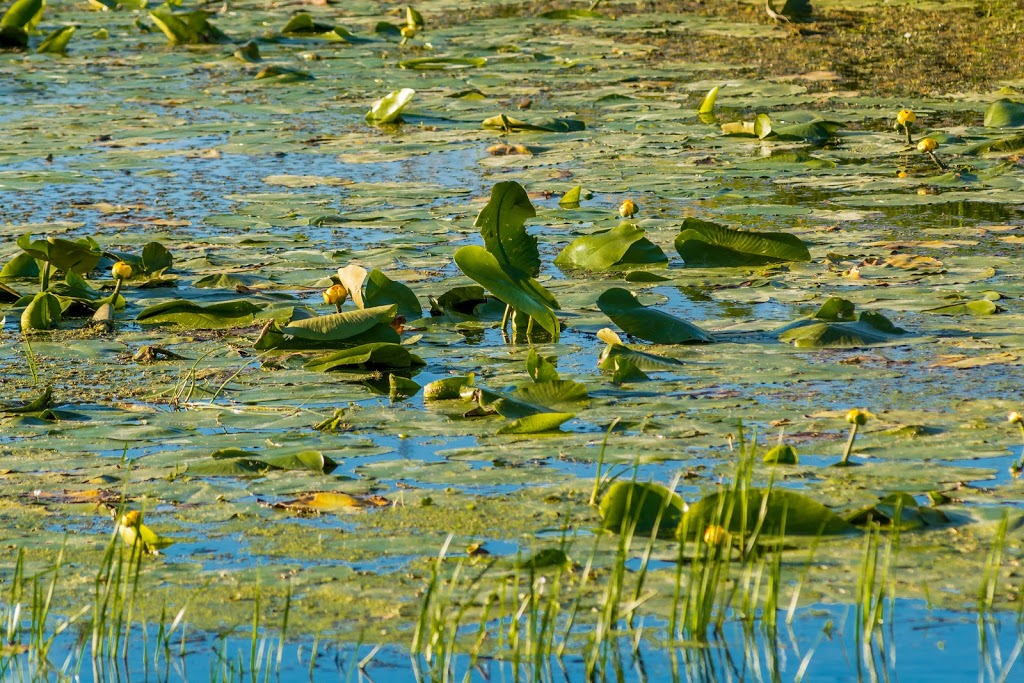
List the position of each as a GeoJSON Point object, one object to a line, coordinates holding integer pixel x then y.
{"type": "Point", "coordinates": [534, 334]}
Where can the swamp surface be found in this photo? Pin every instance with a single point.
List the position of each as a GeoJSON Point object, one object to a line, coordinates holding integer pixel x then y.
{"type": "Point", "coordinates": [330, 524]}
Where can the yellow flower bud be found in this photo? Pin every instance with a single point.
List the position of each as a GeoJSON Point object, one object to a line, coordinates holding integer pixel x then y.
{"type": "Point", "coordinates": [715, 534]}
{"type": "Point", "coordinates": [628, 209]}
{"type": "Point", "coordinates": [408, 32]}
{"type": "Point", "coordinates": [927, 145]}
{"type": "Point", "coordinates": [905, 116]}
{"type": "Point", "coordinates": [121, 271]}
{"type": "Point", "coordinates": [335, 294]}
{"type": "Point", "coordinates": [132, 518]}
{"type": "Point", "coordinates": [857, 417]}
{"type": "Point", "coordinates": [1014, 418]}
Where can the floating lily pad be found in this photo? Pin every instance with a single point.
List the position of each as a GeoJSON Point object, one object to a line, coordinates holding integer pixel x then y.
{"type": "Point", "coordinates": [639, 507]}
{"type": "Point", "coordinates": [774, 512]}
{"type": "Point", "coordinates": [621, 247]}
{"type": "Point", "coordinates": [377, 355]}
{"type": "Point", "coordinates": [706, 244]}
{"type": "Point", "coordinates": [646, 323]}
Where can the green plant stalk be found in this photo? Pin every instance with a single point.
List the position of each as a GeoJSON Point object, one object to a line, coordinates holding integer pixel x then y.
{"type": "Point", "coordinates": [938, 162]}
{"type": "Point", "coordinates": [906, 130]}
{"type": "Point", "coordinates": [849, 445]}
{"type": "Point", "coordinates": [596, 492]}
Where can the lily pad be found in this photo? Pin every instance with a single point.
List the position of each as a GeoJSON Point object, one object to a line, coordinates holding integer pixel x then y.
{"type": "Point", "coordinates": [836, 324]}
{"type": "Point", "coordinates": [646, 323]}
{"type": "Point", "coordinates": [193, 316]}
{"type": "Point", "coordinates": [618, 357]}
{"type": "Point", "coordinates": [622, 247]}
{"type": "Point", "coordinates": [388, 109]}
{"type": "Point", "coordinates": [776, 512]}
{"type": "Point", "coordinates": [377, 355]}
{"type": "Point", "coordinates": [550, 125]}
{"type": "Point", "coordinates": [706, 244]}
{"type": "Point", "coordinates": [1004, 113]}
{"type": "Point", "coordinates": [534, 424]}
{"type": "Point", "coordinates": [639, 507]}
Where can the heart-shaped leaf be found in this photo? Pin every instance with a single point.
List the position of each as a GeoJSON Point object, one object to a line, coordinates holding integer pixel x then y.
{"type": "Point", "coordinates": [502, 225]}
{"type": "Point", "coordinates": [706, 244]}
{"type": "Point", "coordinates": [639, 507]}
{"type": "Point", "coordinates": [388, 109]}
{"type": "Point", "coordinates": [646, 323]}
{"type": "Point", "coordinates": [57, 42]}
{"type": "Point", "coordinates": [190, 315]}
{"type": "Point", "coordinates": [1004, 114]}
{"type": "Point", "coordinates": [535, 424]}
{"type": "Point", "coordinates": [776, 512]}
{"type": "Point", "coordinates": [621, 247]}
{"type": "Point", "coordinates": [522, 293]}
{"type": "Point", "coordinates": [377, 355]}
{"type": "Point", "coordinates": [43, 313]}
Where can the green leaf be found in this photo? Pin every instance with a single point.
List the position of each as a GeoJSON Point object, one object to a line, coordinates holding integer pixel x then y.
{"type": "Point", "coordinates": [442, 63]}
{"type": "Point", "coordinates": [303, 24]}
{"type": "Point", "coordinates": [314, 461]}
{"type": "Point", "coordinates": [617, 353]}
{"type": "Point", "coordinates": [446, 389]}
{"type": "Point", "coordinates": [898, 508]}
{"type": "Point", "coordinates": [193, 316]}
{"type": "Point", "coordinates": [43, 313]}
{"type": "Point", "coordinates": [622, 246]}
{"type": "Point", "coordinates": [382, 290]}
{"type": "Point", "coordinates": [571, 199]}
{"type": "Point", "coordinates": [624, 372]}
{"type": "Point", "coordinates": [553, 393]}
{"type": "Point", "coordinates": [21, 13]}
{"type": "Point", "coordinates": [249, 52]}
{"type": "Point", "coordinates": [574, 14]}
{"type": "Point", "coordinates": [540, 369]}
{"type": "Point", "coordinates": [21, 266]}
{"type": "Point", "coordinates": [707, 106]}
{"type": "Point", "coordinates": [339, 326]}
{"type": "Point", "coordinates": [277, 73]}
{"type": "Point", "coordinates": [502, 225]}
{"type": "Point", "coordinates": [551, 125]}
{"type": "Point", "coordinates": [79, 256]}
{"type": "Point", "coordinates": [522, 293]}
{"type": "Point", "coordinates": [837, 325]}
{"type": "Point", "coordinates": [762, 126]}
{"type": "Point", "coordinates": [702, 243]}
{"type": "Point", "coordinates": [156, 259]}
{"type": "Point", "coordinates": [815, 132]}
{"type": "Point", "coordinates": [413, 18]}
{"type": "Point", "coordinates": [187, 28]}
{"type": "Point", "coordinates": [1004, 114]}
{"type": "Point", "coordinates": [377, 355]}
{"type": "Point", "coordinates": [649, 324]}
{"type": "Point", "coordinates": [388, 109]}
{"type": "Point", "coordinates": [400, 388]}
{"type": "Point", "coordinates": [783, 454]}
{"type": "Point", "coordinates": [640, 507]}
{"type": "Point", "coordinates": [57, 42]}
{"type": "Point", "coordinates": [535, 424]}
{"type": "Point", "coordinates": [232, 464]}
{"type": "Point", "coordinates": [41, 402]}
{"type": "Point", "coordinates": [796, 9]}
{"type": "Point", "coordinates": [507, 406]}
{"type": "Point", "coordinates": [778, 512]}
{"type": "Point", "coordinates": [979, 307]}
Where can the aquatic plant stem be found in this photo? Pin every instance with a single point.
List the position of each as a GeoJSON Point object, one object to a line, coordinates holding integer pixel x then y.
{"type": "Point", "coordinates": [600, 461]}
{"type": "Point", "coordinates": [849, 444]}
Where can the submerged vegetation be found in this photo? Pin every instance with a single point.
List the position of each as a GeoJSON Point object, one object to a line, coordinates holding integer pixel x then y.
{"type": "Point", "coordinates": [633, 339]}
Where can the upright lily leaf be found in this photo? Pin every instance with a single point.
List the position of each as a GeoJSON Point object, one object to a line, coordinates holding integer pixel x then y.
{"type": "Point", "coordinates": [388, 109]}
{"type": "Point", "coordinates": [523, 294]}
{"type": "Point", "coordinates": [352, 277]}
{"type": "Point", "coordinates": [41, 402]}
{"type": "Point", "coordinates": [777, 512]}
{"type": "Point", "coordinates": [303, 24]}
{"type": "Point", "coordinates": [1004, 114]}
{"type": "Point", "coordinates": [502, 225]}
{"type": "Point", "coordinates": [539, 368]}
{"type": "Point", "coordinates": [382, 290]}
{"type": "Point", "coordinates": [21, 13]}
{"type": "Point", "coordinates": [190, 315]}
{"type": "Point", "coordinates": [187, 28]}
{"type": "Point", "coordinates": [43, 313]}
{"type": "Point", "coordinates": [446, 389]}
{"type": "Point", "coordinates": [624, 246]}
{"type": "Point", "coordinates": [702, 243]}
{"type": "Point", "coordinates": [649, 324]}
{"type": "Point", "coordinates": [79, 256]}
{"type": "Point", "coordinates": [640, 507]}
{"type": "Point", "coordinates": [57, 42]}
{"type": "Point", "coordinates": [707, 106]}
{"type": "Point", "coordinates": [571, 199]}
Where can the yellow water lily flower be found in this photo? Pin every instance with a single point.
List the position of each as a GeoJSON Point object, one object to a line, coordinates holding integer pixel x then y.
{"type": "Point", "coordinates": [927, 145]}
{"type": "Point", "coordinates": [628, 209]}
{"type": "Point", "coordinates": [335, 294]}
{"type": "Point", "coordinates": [857, 417]}
{"type": "Point", "coordinates": [714, 534]}
{"type": "Point", "coordinates": [121, 271]}
{"type": "Point", "coordinates": [905, 116]}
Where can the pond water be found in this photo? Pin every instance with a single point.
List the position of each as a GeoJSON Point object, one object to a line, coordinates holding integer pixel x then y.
{"type": "Point", "coordinates": [318, 502]}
